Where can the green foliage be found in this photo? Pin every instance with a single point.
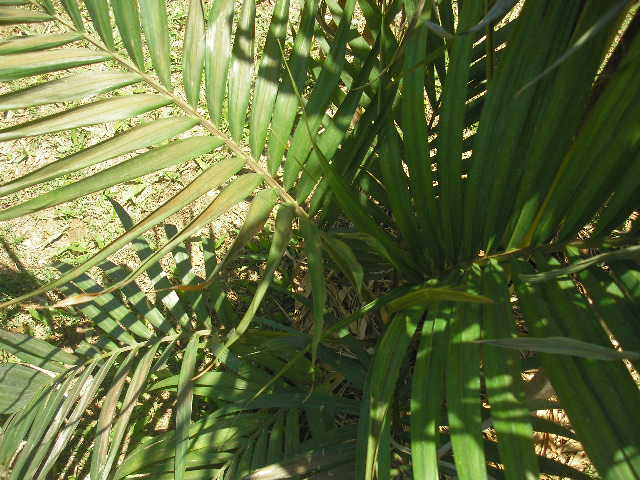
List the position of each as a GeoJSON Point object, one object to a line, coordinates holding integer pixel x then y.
{"type": "Point", "coordinates": [469, 168]}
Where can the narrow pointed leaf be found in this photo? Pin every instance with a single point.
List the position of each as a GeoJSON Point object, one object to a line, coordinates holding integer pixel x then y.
{"type": "Point", "coordinates": [37, 42]}
{"type": "Point", "coordinates": [48, 6]}
{"type": "Point", "coordinates": [176, 152]}
{"type": "Point", "coordinates": [194, 47]}
{"type": "Point", "coordinates": [134, 390]}
{"type": "Point", "coordinates": [319, 99]}
{"type": "Point", "coordinates": [127, 19]}
{"type": "Point", "coordinates": [259, 212]}
{"type": "Point", "coordinates": [74, 87]}
{"type": "Point", "coordinates": [34, 351]}
{"type": "Point", "coordinates": [287, 101]}
{"type": "Point", "coordinates": [562, 346]}
{"type": "Point", "coordinates": [11, 16]}
{"type": "Point", "coordinates": [139, 137]}
{"type": "Point", "coordinates": [627, 253]}
{"type": "Point", "coordinates": [427, 295]}
{"type": "Point", "coordinates": [102, 111]}
{"type": "Point", "coordinates": [346, 260]}
{"type": "Point", "coordinates": [218, 55]}
{"type": "Point", "coordinates": [184, 406]}
{"type": "Point", "coordinates": [99, 11]}
{"type": "Point", "coordinates": [241, 68]}
{"type": "Point", "coordinates": [34, 63]}
{"type": "Point", "coordinates": [463, 394]}
{"type": "Point", "coordinates": [74, 420]}
{"type": "Point", "coordinates": [427, 392]}
{"type": "Point", "coordinates": [268, 78]}
{"type": "Point", "coordinates": [107, 416]}
{"type": "Point", "coordinates": [511, 418]}
{"type": "Point", "coordinates": [156, 31]}
{"type": "Point", "coordinates": [313, 250]}
{"type": "Point", "coordinates": [381, 385]}
{"type": "Point", "coordinates": [71, 6]}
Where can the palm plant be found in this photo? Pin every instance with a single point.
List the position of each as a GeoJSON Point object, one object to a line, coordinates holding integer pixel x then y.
{"type": "Point", "coordinates": [467, 148]}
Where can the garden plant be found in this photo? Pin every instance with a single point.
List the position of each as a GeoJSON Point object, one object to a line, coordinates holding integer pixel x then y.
{"type": "Point", "coordinates": [466, 171]}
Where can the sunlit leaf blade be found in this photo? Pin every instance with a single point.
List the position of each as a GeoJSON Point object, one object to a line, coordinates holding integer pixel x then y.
{"type": "Point", "coordinates": [99, 11]}
{"type": "Point", "coordinates": [19, 386]}
{"type": "Point", "coordinates": [427, 392]}
{"type": "Point", "coordinates": [268, 78]}
{"type": "Point", "coordinates": [127, 19]}
{"type": "Point", "coordinates": [463, 393]}
{"type": "Point", "coordinates": [241, 68]}
{"type": "Point", "coordinates": [37, 42]}
{"type": "Point", "coordinates": [279, 242]}
{"type": "Point", "coordinates": [218, 55]}
{"type": "Point", "coordinates": [71, 6]}
{"type": "Point", "coordinates": [562, 346]}
{"type": "Point", "coordinates": [33, 63]}
{"type": "Point", "coordinates": [313, 249]}
{"type": "Point", "coordinates": [184, 405]}
{"type": "Point", "coordinates": [74, 87]}
{"type": "Point", "coordinates": [287, 100]}
{"type": "Point", "coordinates": [143, 136]}
{"type": "Point", "coordinates": [194, 49]}
{"type": "Point", "coordinates": [176, 152]}
{"type": "Point", "coordinates": [383, 375]}
{"type": "Point", "coordinates": [502, 371]}
{"type": "Point", "coordinates": [102, 111]}
{"type": "Point", "coordinates": [11, 16]}
{"type": "Point", "coordinates": [153, 14]}
{"type": "Point", "coordinates": [211, 178]}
